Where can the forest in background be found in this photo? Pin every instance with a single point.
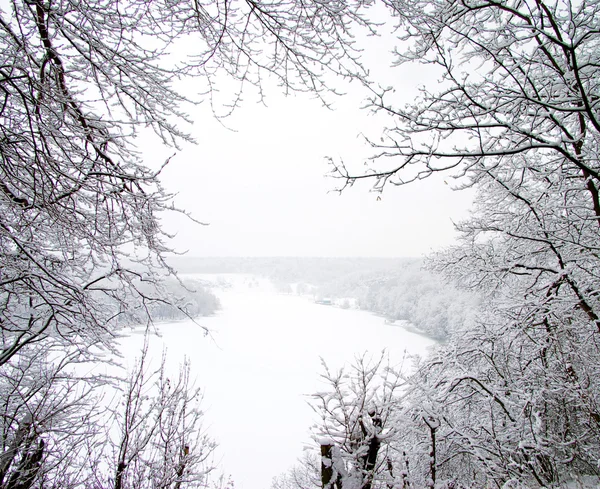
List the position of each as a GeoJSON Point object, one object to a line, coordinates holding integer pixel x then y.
{"type": "Point", "coordinates": [188, 299]}
{"type": "Point", "coordinates": [395, 288]}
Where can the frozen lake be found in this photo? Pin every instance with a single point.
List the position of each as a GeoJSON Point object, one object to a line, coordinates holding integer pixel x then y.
{"type": "Point", "coordinates": [260, 364]}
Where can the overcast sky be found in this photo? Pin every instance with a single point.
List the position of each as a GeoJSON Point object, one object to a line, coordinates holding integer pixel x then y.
{"type": "Point", "coordinates": [260, 182]}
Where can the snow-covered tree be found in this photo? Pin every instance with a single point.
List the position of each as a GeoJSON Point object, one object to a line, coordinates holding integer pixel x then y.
{"type": "Point", "coordinates": [62, 430]}
{"type": "Point", "coordinates": [79, 81]}
{"type": "Point", "coordinates": [81, 245]}
{"type": "Point", "coordinates": [49, 421]}
{"type": "Point", "coordinates": [357, 424]}
{"type": "Point", "coordinates": [516, 116]}
{"type": "Point", "coordinates": [159, 440]}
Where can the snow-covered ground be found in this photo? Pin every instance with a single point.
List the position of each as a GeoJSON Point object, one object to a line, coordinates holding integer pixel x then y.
{"type": "Point", "coordinates": [260, 363]}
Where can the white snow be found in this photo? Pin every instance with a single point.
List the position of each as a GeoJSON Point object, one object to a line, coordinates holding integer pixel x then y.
{"type": "Point", "coordinates": [260, 364]}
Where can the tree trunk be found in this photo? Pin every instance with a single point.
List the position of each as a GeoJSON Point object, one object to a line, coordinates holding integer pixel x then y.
{"type": "Point", "coordinates": [330, 476]}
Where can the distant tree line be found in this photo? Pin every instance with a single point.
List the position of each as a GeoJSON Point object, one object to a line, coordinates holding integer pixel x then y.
{"type": "Point", "coordinates": [396, 288]}
{"type": "Point", "coordinates": [177, 300]}
{"type": "Point", "coordinates": [311, 270]}
{"type": "Point", "coordinates": [410, 293]}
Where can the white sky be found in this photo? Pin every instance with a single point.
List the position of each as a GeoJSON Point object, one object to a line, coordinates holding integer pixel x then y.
{"type": "Point", "coordinates": [262, 185]}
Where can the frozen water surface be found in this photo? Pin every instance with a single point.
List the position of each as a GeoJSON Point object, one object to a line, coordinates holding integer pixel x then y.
{"type": "Point", "coordinates": [262, 361]}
